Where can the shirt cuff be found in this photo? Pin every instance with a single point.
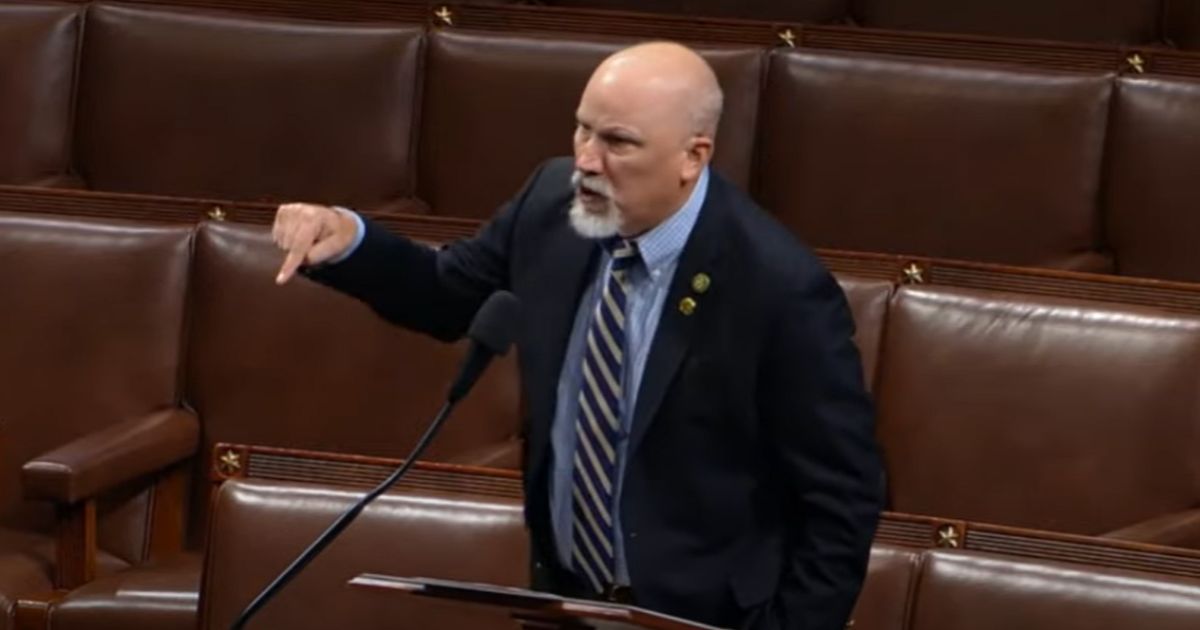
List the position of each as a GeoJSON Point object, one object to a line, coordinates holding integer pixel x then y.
{"type": "Point", "coordinates": [359, 234]}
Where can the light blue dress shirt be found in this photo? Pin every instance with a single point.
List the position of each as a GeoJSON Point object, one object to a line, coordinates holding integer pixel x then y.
{"type": "Point", "coordinates": [650, 281]}
{"type": "Point", "coordinates": [359, 234]}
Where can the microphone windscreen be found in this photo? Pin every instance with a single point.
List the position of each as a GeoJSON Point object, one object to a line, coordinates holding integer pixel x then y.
{"type": "Point", "coordinates": [495, 325]}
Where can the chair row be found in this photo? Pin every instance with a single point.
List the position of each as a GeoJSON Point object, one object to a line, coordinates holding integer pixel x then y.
{"type": "Point", "coordinates": [472, 530]}
{"type": "Point", "coordinates": [128, 349]}
{"type": "Point", "coordinates": [1018, 165]}
{"type": "Point", "coordinates": [1128, 22]}
{"type": "Point", "coordinates": [692, 26]}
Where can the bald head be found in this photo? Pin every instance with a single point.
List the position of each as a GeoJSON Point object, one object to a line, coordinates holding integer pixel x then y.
{"type": "Point", "coordinates": [669, 75]}
{"type": "Point", "coordinates": [644, 137]}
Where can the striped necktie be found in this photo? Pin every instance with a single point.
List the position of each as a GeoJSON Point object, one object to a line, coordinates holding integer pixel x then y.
{"type": "Point", "coordinates": [598, 426]}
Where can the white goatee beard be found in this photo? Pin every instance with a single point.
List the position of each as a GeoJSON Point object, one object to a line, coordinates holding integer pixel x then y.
{"type": "Point", "coordinates": [592, 225]}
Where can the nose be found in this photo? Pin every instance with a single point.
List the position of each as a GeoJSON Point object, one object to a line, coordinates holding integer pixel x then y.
{"type": "Point", "coordinates": [587, 158]}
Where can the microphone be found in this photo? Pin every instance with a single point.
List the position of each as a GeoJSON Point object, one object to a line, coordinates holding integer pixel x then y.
{"type": "Point", "coordinates": [491, 333]}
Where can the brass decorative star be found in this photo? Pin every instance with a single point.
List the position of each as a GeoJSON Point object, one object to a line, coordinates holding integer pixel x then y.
{"type": "Point", "coordinates": [914, 274]}
{"type": "Point", "coordinates": [948, 537]}
{"type": "Point", "coordinates": [788, 36]}
{"type": "Point", "coordinates": [229, 463]}
{"type": "Point", "coordinates": [444, 14]}
{"type": "Point", "coordinates": [1137, 62]}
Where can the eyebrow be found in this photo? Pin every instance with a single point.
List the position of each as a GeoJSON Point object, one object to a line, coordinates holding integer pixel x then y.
{"type": "Point", "coordinates": [614, 133]}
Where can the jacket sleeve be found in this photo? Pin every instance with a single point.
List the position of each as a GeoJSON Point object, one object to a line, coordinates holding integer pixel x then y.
{"type": "Point", "coordinates": [821, 420]}
{"type": "Point", "coordinates": [431, 290]}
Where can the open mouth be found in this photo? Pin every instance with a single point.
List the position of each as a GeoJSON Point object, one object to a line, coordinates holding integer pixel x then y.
{"type": "Point", "coordinates": [588, 195]}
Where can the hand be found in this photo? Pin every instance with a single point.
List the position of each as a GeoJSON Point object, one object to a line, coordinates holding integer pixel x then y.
{"type": "Point", "coordinates": [310, 234]}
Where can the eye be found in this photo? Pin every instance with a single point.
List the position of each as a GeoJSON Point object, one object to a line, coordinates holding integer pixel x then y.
{"type": "Point", "coordinates": [619, 142]}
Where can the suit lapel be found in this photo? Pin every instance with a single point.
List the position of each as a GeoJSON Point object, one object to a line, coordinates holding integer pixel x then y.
{"type": "Point", "coordinates": [676, 330]}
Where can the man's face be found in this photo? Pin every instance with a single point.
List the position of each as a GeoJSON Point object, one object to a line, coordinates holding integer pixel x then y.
{"type": "Point", "coordinates": [630, 158]}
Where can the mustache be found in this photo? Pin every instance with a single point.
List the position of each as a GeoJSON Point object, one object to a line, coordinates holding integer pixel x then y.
{"type": "Point", "coordinates": [592, 183]}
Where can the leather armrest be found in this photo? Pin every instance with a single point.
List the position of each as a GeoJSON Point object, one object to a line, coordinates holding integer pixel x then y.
{"type": "Point", "coordinates": [111, 456]}
{"type": "Point", "coordinates": [1179, 529]}
{"type": "Point", "coordinates": [506, 454]}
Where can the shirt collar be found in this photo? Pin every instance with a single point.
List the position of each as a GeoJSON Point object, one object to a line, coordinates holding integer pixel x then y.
{"type": "Point", "coordinates": [663, 244]}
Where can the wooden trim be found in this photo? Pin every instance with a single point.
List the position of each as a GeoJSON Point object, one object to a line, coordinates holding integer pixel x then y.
{"type": "Point", "coordinates": [387, 462]}
{"type": "Point", "coordinates": [160, 209]}
{"type": "Point", "coordinates": [240, 461]}
{"type": "Point", "coordinates": [1174, 62]}
{"type": "Point", "coordinates": [107, 205]}
{"type": "Point", "coordinates": [922, 532]}
{"type": "Point", "coordinates": [1182, 297]}
{"type": "Point", "coordinates": [76, 545]}
{"type": "Point", "coordinates": [167, 524]}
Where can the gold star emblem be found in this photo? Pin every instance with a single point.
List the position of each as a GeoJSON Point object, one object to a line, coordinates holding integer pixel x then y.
{"type": "Point", "coordinates": [229, 464]}
{"type": "Point", "coordinates": [701, 282]}
{"type": "Point", "coordinates": [788, 36]}
{"type": "Point", "coordinates": [914, 274]}
{"type": "Point", "coordinates": [444, 14]}
{"type": "Point", "coordinates": [1137, 62]}
{"type": "Point", "coordinates": [948, 537]}
{"type": "Point", "coordinates": [687, 306]}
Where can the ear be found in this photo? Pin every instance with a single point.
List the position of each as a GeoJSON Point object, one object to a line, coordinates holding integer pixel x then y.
{"type": "Point", "coordinates": [697, 155]}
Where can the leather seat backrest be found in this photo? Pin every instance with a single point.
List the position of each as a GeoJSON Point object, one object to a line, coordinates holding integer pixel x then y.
{"type": "Point", "coordinates": [1109, 21]}
{"type": "Point", "coordinates": [37, 74]}
{"type": "Point", "coordinates": [90, 333]}
{"type": "Point", "coordinates": [1047, 413]}
{"type": "Point", "coordinates": [202, 104]}
{"type": "Point", "coordinates": [891, 580]}
{"type": "Point", "coordinates": [993, 592]}
{"type": "Point", "coordinates": [260, 526]}
{"type": "Point", "coordinates": [873, 153]}
{"type": "Point", "coordinates": [1151, 193]}
{"type": "Point", "coordinates": [868, 299]}
{"type": "Point", "coordinates": [497, 105]}
{"type": "Point", "coordinates": [302, 366]}
{"type": "Point", "coordinates": [798, 10]}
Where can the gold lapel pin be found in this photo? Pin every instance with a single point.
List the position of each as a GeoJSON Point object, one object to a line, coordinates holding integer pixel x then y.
{"type": "Point", "coordinates": [687, 306]}
{"type": "Point", "coordinates": [701, 282]}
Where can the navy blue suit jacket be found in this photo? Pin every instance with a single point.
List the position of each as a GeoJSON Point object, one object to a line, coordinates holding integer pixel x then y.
{"type": "Point", "coordinates": [753, 482]}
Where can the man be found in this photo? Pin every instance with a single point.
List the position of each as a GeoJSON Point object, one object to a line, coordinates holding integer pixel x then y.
{"type": "Point", "coordinates": [698, 436]}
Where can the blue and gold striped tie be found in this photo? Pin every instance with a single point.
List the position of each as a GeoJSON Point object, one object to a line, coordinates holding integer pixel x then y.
{"type": "Point", "coordinates": [598, 427]}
